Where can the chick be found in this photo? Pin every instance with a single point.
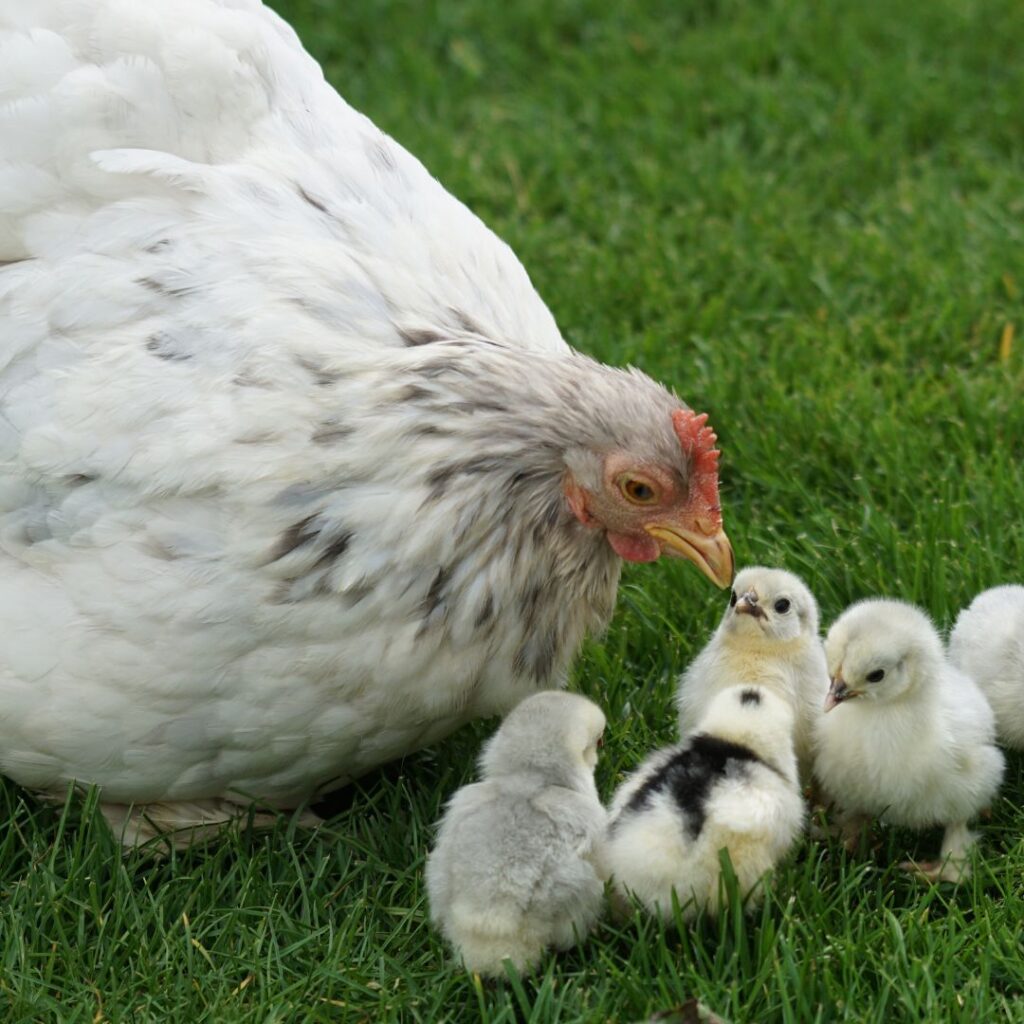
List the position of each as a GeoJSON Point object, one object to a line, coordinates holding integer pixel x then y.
{"type": "Point", "coordinates": [768, 636]}
{"type": "Point", "coordinates": [906, 736]}
{"type": "Point", "coordinates": [987, 644]}
{"type": "Point", "coordinates": [512, 872]}
{"type": "Point", "coordinates": [730, 785]}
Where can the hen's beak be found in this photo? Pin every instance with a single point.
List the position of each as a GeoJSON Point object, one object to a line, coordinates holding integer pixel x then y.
{"type": "Point", "coordinates": [838, 692]}
{"type": "Point", "coordinates": [711, 553]}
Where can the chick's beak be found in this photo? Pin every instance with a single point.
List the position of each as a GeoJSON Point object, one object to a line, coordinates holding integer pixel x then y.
{"type": "Point", "coordinates": [710, 552]}
{"type": "Point", "coordinates": [838, 692]}
{"type": "Point", "coordinates": [747, 604]}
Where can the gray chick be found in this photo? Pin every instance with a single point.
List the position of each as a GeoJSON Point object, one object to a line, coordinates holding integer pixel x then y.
{"type": "Point", "coordinates": [513, 870]}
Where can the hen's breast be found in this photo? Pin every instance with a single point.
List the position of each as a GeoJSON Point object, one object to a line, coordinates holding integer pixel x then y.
{"type": "Point", "coordinates": [271, 607]}
{"type": "Point", "coordinates": [166, 673]}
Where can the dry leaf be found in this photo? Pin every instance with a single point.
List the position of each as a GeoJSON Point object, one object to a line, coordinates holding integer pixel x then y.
{"type": "Point", "coordinates": [1006, 344]}
{"type": "Point", "coordinates": [690, 1012]}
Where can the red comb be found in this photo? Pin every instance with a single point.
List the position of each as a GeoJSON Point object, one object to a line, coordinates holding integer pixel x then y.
{"type": "Point", "coordinates": [697, 439]}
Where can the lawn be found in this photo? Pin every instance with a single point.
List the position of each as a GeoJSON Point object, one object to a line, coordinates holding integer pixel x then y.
{"type": "Point", "coordinates": [809, 220]}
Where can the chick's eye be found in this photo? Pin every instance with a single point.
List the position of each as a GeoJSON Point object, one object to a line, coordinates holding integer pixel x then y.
{"type": "Point", "coordinates": [877, 676]}
{"type": "Point", "coordinates": [782, 605]}
{"type": "Point", "coordinates": [732, 599]}
{"type": "Point", "coordinates": [638, 491]}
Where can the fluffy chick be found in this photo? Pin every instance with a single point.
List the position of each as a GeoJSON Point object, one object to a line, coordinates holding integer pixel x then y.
{"type": "Point", "coordinates": [512, 872]}
{"type": "Point", "coordinates": [730, 785]}
{"type": "Point", "coordinates": [987, 643]}
{"type": "Point", "coordinates": [906, 736]}
{"type": "Point", "coordinates": [768, 636]}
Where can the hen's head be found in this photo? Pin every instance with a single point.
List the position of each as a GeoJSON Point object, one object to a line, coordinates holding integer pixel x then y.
{"type": "Point", "coordinates": [657, 494]}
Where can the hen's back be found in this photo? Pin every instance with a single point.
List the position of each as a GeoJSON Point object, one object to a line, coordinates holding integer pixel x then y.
{"type": "Point", "coordinates": [122, 121]}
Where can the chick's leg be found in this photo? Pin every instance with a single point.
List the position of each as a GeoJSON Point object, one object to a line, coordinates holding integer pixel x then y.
{"type": "Point", "coordinates": [849, 826]}
{"type": "Point", "coordinates": [953, 864]}
{"type": "Point", "coordinates": [852, 830]}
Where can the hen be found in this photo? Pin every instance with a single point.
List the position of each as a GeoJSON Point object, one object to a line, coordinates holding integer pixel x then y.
{"type": "Point", "coordinates": [296, 471]}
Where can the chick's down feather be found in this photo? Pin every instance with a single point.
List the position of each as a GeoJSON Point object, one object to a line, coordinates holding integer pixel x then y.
{"type": "Point", "coordinates": [731, 785]}
{"type": "Point", "coordinates": [513, 870]}
{"type": "Point", "coordinates": [987, 644]}
{"type": "Point", "coordinates": [907, 736]}
{"type": "Point", "coordinates": [768, 635]}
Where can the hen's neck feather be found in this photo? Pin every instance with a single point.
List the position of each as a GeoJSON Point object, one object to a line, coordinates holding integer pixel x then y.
{"type": "Point", "coordinates": [446, 495]}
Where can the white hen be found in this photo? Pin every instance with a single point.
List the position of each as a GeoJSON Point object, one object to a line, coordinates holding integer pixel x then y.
{"type": "Point", "coordinates": [513, 871]}
{"type": "Point", "coordinates": [906, 736]}
{"type": "Point", "coordinates": [769, 636]}
{"type": "Point", "coordinates": [296, 472]}
{"type": "Point", "coordinates": [987, 643]}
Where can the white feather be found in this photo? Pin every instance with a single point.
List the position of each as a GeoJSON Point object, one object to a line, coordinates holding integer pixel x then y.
{"type": "Point", "coordinates": [987, 644]}
{"type": "Point", "coordinates": [161, 148]}
{"type": "Point", "coordinates": [915, 743]}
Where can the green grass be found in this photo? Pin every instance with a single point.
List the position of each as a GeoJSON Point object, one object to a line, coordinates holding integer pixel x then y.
{"type": "Point", "coordinates": [808, 218]}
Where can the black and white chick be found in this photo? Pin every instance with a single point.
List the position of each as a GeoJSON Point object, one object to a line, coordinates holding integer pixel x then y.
{"type": "Point", "coordinates": [987, 643]}
{"type": "Point", "coordinates": [513, 870]}
{"type": "Point", "coordinates": [730, 785]}
{"type": "Point", "coordinates": [768, 636]}
{"type": "Point", "coordinates": [906, 736]}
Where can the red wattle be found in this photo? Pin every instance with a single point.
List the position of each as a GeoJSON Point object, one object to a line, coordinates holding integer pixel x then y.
{"type": "Point", "coordinates": [633, 548]}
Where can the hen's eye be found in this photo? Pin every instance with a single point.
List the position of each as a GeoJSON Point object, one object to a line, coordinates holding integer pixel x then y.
{"type": "Point", "coordinates": [638, 491]}
{"type": "Point", "coordinates": [732, 599]}
{"type": "Point", "coordinates": [877, 676]}
{"type": "Point", "coordinates": [782, 605]}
